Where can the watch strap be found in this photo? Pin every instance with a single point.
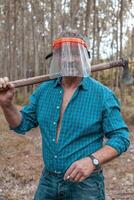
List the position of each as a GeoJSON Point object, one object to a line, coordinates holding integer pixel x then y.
{"type": "Point", "coordinates": [94, 161]}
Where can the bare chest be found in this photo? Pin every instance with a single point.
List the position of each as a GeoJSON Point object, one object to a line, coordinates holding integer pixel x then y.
{"type": "Point", "coordinates": [66, 99]}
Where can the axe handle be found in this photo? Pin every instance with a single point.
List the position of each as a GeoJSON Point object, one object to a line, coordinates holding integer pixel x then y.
{"type": "Point", "coordinates": [39, 79]}
{"type": "Point", "coordinates": [104, 66]}
{"type": "Point", "coordinates": [33, 80]}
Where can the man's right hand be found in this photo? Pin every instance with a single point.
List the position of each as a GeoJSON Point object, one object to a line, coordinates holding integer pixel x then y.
{"type": "Point", "coordinates": [6, 96]}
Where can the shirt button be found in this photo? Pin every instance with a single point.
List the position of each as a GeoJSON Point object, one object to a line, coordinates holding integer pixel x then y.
{"type": "Point", "coordinates": [53, 140]}
{"type": "Point", "coordinates": [55, 156]}
{"type": "Point", "coordinates": [58, 107]}
{"type": "Point", "coordinates": [60, 91]}
{"type": "Point", "coordinates": [54, 123]}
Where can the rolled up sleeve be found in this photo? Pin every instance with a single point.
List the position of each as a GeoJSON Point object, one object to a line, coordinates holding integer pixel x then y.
{"type": "Point", "coordinates": [114, 127]}
{"type": "Point", "coordinates": [29, 115]}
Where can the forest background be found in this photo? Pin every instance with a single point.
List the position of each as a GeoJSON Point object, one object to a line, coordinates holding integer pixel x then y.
{"type": "Point", "coordinates": [27, 30]}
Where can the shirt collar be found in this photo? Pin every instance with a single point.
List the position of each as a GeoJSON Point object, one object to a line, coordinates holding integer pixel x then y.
{"type": "Point", "coordinates": [83, 84]}
{"type": "Point", "coordinates": [57, 82]}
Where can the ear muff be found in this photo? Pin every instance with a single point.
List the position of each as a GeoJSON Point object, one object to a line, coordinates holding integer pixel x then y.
{"type": "Point", "coordinates": [49, 55]}
{"type": "Point", "coordinates": [89, 55]}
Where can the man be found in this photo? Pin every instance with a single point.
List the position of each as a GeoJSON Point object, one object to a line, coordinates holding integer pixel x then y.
{"type": "Point", "coordinates": [74, 113]}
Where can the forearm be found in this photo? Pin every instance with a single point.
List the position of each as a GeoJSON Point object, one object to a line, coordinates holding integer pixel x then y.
{"type": "Point", "coordinates": [84, 167]}
{"type": "Point", "coordinates": [12, 115]}
{"type": "Point", "coordinates": [105, 154]}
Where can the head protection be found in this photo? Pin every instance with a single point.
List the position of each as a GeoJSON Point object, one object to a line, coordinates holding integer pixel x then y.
{"type": "Point", "coordinates": [70, 55]}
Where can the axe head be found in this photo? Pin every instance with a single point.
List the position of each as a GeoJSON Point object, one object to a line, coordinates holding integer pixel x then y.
{"type": "Point", "coordinates": [126, 76]}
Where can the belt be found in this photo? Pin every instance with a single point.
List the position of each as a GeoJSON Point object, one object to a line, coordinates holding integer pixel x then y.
{"type": "Point", "coordinates": [62, 174]}
{"type": "Point", "coordinates": [53, 173]}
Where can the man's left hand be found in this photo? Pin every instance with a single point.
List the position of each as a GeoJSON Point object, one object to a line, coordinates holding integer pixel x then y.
{"type": "Point", "coordinates": [79, 170]}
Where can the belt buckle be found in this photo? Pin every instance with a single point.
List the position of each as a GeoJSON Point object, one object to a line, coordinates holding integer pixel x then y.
{"type": "Point", "coordinates": [55, 173]}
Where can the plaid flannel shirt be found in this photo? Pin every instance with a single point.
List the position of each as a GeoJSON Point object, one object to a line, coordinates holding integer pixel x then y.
{"type": "Point", "coordinates": [92, 114]}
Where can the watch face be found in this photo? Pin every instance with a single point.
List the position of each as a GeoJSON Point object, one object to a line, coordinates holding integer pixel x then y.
{"type": "Point", "coordinates": [96, 162]}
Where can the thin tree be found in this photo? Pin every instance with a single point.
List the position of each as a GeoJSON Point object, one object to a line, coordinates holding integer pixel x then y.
{"type": "Point", "coordinates": [87, 18]}
{"type": "Point", "coordinates": [52, 22]}
{"type": "Point", "coordinates": [94, 30]}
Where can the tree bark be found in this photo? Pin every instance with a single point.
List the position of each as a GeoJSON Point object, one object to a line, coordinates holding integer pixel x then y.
{"type": "Point", "coordinates": [52, 22]}
{"type": "Point", "coordinates": [88, 12]}
{"type": "Point", "coordinates": [94, 31]}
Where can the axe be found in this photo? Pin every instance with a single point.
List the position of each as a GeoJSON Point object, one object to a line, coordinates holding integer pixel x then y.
{"type": "Point", "coordinates": [126, 76]}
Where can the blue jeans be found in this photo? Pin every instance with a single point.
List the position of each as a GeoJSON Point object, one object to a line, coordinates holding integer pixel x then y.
{"type": "Point", "coordinates": [53, 187]}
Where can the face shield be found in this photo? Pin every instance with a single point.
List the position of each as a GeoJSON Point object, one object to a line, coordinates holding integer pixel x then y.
{"type": "Point", "coordinates": [70, 58]}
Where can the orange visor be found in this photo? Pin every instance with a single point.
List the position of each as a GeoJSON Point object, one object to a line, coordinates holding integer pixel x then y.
{"type": "Point", "coordinates": [58, 42]}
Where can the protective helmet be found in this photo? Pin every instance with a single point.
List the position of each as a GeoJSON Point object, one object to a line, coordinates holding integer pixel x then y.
{"type": "Point", "coordinates": [71, 55]}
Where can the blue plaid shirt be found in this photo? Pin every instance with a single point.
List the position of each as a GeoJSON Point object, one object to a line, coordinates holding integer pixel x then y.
{"type": "Point", "coordinates": [92, 114]}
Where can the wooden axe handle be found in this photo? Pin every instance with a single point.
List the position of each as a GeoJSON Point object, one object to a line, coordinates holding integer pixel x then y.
{"type": "Point", "coordinates": [33, 80]}
{"type": "Point", "coordinates": [39, 79]}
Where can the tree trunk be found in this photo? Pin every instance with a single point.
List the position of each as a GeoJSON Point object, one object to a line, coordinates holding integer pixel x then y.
{"type": "Point", "coordinates": [121, 38]}
{"type": "Point", "coordinates": [88, 12]}
{"type": "Point", "coordinates": [23, 63]}
{"type": "Point", "coordinates": [121, 26]}
{"type": "Point", "coordinates": [9, 42]}
{"type": "Point", "coordinates": [94, 31]}
{"type": "Point", "coordinates": [116, 81]}
{"type": "Point", "coordinates": [52, 22]}
{"type": "Point", "coordinates": [14, 66]}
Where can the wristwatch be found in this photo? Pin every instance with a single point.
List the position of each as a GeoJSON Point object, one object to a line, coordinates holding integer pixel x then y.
{"type": "Point", "coordinates": [95, 162]}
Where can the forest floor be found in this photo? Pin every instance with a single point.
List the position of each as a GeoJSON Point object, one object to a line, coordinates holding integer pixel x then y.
{"type": "Point", "coordinates": [21, 164]}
